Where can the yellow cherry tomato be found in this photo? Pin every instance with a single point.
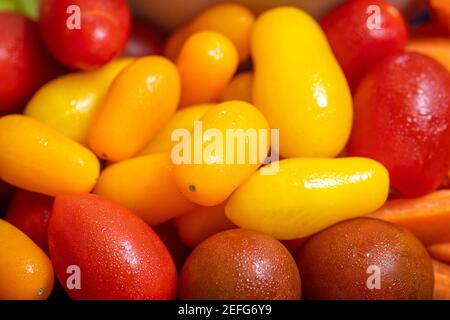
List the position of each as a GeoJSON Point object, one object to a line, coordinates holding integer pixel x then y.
{"type": "Point", "coordinates": [140, 101]}
{"type": "Point", "coordinates": [145, 185]}
{"type": "Point", "coordinates": [299, 85]}
{"type": "Point", "coordinates": [307, 195]}
{"type": "Point", "coordinates": [233, 20]}
{"type": "Point", "coordinates": [26, 272]}
{"type": "Point", "coordinates": [206, 64]}
{"type": "Point", "coordinates": [40, 159]}
{"type": "Point", "coordinates": [201, 223]}
{"type": "Point", "coordinates": [183, 119]}
{"type": "Point", "coordinates": [224, 148]}
{"type": "Point", "coordinates": [240, 88]}
{"type": "Point", "coordinates": [69, 103]}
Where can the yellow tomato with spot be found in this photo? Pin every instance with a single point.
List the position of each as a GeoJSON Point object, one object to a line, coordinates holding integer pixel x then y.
{"type": "Point", "coordinates": [207, 63]}
{"type": "Point", "coordinates": [229, 143]}
{"type": "Point", "coordinates": [233, 20]}
{"type": "Point", "coordinates": [240, 88]}
{"type": "Point", "coordinates": [69, 103]}
{"type": "Point", "coordinates": [140, 101]}
{"type": "Point", "coordinates": [299, 86]}
{"type": "Point", "coordinates": [26, 272]}
{"type": "Point", "coordinates": [201, 223]}
{"type": "Point", "coordinates": [145, 185]}
{"type": "Point", "coordinates": [37, 158]}
{"type": "Point", "coordinates": [306, 195]}
{"type": "Point", "coordinates": [182, 119]}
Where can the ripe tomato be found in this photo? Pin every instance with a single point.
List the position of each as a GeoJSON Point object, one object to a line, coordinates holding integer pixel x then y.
{"type": "Point", "coordinates": [112, 252]}
{"type": "Point", "coordinates": [358, 41]}
{"type": "Point", "coordinates": [25, 64]}
{"type": "Point", "coordinates": [29, 212]}
{"type": "Point", "coordinates": [402, 116]}
{"type": "Point", "coordinates": [84, 34]}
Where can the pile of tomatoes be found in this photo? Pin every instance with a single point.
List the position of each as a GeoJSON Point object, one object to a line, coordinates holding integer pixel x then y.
{"type": "Point", "coordinates": [99, 186]}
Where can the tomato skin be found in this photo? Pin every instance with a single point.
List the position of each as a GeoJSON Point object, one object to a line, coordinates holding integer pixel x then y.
{"type": "Point", "coordinates": [120, 257]}
{"type": "Point", "coordinates": [402, 116]}
{"type": "Point", "coordinates": [358, 47]}
{"type": "Point", "coordinates": [104, 30]}
{"type": "Point", "coordinates": [145, 39]}
{"type": "Point", "coordinates": [29, 212]}
{"type": "Point", "coordinates": [25, 64]}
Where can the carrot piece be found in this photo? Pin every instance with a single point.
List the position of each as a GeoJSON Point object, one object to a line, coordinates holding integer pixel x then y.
{"type": "Point", "coordinates": [441, 11]}
{"type": "Point", "coordinates": [437, 48]}
{"type": "Point", "coordinates": [427, 217]}
{"type": "Point", "coordinates": [441, 281]}
{"type": "Point", "coordinates": [440, 251]}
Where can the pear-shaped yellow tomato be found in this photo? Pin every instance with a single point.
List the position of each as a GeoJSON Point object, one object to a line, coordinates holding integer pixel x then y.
{"type": "Point", "coordinates": [182, 119]}
{"type": "Point", "coordinates": [229, 143]}
{"type": "Point", "coordinates": [233, 20]}
{"type": "Point", "coordinates": [207, 63]}
{"type": "Point", "coordinates": [139, 102]}
{"type": "Point", "coordinates": [299, 85]}
{"type": "Point", "coordinates": [240, 88]}
{"type": "Point", "coordinates": [26, 272]}
{"type": "Point", "coordinates": [307, 195]}
{"type": "Point", "coordinates": [69, 103]}
{"type": "Point", "coordinates": [145, 185]}
{"type": "Point", "coordinates": [40, 159]}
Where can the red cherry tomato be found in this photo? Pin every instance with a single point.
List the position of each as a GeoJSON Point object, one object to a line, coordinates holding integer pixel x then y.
{"type": "Point", "coordinates": [25, 64]}
{"type": "Point", "coordinates": [402, 119]}
{"type": "Point", "coordinates": [145, 39]}
{"type": "Point", "coordinates": [118, 255]}
{"type": "Point", "coordinates": [30, 212]}
{"type": "Point", "coordinates": [6, 193]}
{"type": "Point", "coordinates": [101, 34]}
{"type": "Point", "coordinates": [358, 41]}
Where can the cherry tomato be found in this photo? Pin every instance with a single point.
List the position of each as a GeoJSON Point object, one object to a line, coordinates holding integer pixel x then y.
{"type": "Point", "coordinates": [29, 212]}
{"type": "Point", "coordinates": [358, 41]}
{"type": "Point", "coordinates": [145, 39]}
{"type": "Point", "coordinates": [402, 116]}
{"type": "Point", "coordinates": [84, 34]}
{"type": "Point", "coordinates": [112, 252]}
{"type": "Point", "coordinates": [25, 64]}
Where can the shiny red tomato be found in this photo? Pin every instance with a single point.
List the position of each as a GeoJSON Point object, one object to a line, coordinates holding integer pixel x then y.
{"type": "Point", "coordinates": [29, 212]}
{"type": "Point", "coordinates": [25, 64]}
{"type": "Point", "coordinates": [145, 39]}
{"type": "Point", "coordinates": [402, 119]}
{"type": "Point", "coordinates": [84, 34]}
{"type": "Point", "coordinates": [362, 33]}
{"type": "Point", "coordinates": [118, 255]}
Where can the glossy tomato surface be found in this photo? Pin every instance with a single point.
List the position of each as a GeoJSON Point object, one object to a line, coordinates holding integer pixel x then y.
{"type": "Point", "coordinates": [84, 34]}
{"type": "Point", "coordinates": [116, 254]}
{"type": "Point", "coordinates": [402, 117]}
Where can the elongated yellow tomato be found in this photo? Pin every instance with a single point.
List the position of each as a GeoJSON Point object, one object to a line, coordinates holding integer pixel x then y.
{"type": "Point", "coordinates": [308, 195]}
{"type": "Point", "coordinates": [40, 159]}
{"type": "Point", "coordinates": [145, 185]}
{"type": "Point", "coordinates": [233, 20]}
{"type": "Point", "coordinates": [140, 101]}
{"type": "Point", "coordinates": [206, 64]}
{"type": "Point", "coordinates": [69, 103]}
{"type": "Point", "coordinates": [240, 88]}
{"type": "Point", "coordinates": [26, 272]}
{"type": "Point", "coordinates": [224, 148]}
{"type": "Point", "coordinates": [299, 85]}
{"type": "Point", "coordinates": [182, 119]}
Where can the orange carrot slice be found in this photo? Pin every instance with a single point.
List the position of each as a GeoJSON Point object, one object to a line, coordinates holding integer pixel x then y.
{"type": "Point", "coordinates": [441, 281]}
{"type": "Point", "coordinates": [427, 217]}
